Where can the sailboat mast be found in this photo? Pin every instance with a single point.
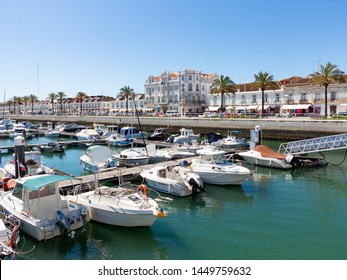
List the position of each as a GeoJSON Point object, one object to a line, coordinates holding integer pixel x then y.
{"type": "Point", "coordinates": [138, 120]}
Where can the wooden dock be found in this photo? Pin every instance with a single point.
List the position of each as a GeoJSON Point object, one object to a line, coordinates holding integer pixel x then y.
{"type": "Point", "coordinates": [114, 174]}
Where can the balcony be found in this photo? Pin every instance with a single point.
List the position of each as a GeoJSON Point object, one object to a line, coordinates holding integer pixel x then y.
{"type": "Point", "coordinates": [302, 101]}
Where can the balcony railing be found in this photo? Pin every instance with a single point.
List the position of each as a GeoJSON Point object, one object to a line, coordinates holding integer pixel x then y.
{"type": "Point", "coordinates": [302, 101]}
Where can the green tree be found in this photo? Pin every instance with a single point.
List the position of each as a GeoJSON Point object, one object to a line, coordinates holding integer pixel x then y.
{"type": "Point", "coordinates": [52, 96]}
{"type": "Point", "coordinates": [60, 96]}
{"type": "Point", "coordinates": [264, 81]}
{"type": "Point", "coordinates": [25, 102]}
{"type": "Point", "coordinates": [327, 74]}
{"type": "Point", "coordinates": [80, 95]}
{"type": "Point", "coordinates": [222, 85]}
{"type": "Point", "coordinates": [17, 100]}
{"type": "Point", "coordinates": [9, 104]}
{"type": "Point", "coordinates": [125, 92]}
{"type": "Point", "coordinates": [33, 98]}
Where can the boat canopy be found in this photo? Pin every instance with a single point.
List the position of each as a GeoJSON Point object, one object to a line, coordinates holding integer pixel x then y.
{"type": "Point", "coordinates": [34, 184]}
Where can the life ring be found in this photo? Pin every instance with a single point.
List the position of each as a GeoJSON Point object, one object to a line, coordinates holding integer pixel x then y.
{"type": "Point", "coordinates": [143, 188]}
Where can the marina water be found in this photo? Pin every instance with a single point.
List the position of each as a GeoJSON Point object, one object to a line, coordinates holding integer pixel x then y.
{"type": "Point", "coordinates": [279, 215]}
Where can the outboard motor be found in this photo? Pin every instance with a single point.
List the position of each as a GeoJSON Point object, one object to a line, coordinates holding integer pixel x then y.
{"type": "Point", "coordinates": [195, 185]}
{"type": "Point", "coordinates": [293, 160]}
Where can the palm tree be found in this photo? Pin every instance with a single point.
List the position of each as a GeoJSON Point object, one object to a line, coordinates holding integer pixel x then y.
{"type": "Point", "coordinates": [264, 81]}
{"type": "Point", "coordinates": [222, 85]}
{"type": "Point", "coordinates": [126, 91]}
{"type": "Point", "coordinates": [61, 95]}
{"type": "Point", "coordinates": [52, 96]}
{"type": "Point", "coordinates": [33, 98]}
{"type": "Point", "coordinates": [326, 75]}
{"type": "Point", "coordinates": [80, 96]}
{"type": "Point", "coordinates": [25, 101]}
{"type": "Point", "coordinates": [17, 100]}
{"type": "Point", "coordinates": [9, 104]}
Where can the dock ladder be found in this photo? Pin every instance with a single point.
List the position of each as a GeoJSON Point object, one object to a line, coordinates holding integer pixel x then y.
{"type": "Point", "coordinates": [325, 143]}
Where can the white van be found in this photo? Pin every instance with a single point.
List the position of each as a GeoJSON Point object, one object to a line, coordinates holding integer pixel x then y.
{"type": "Point", "coordinates": [172, 113]}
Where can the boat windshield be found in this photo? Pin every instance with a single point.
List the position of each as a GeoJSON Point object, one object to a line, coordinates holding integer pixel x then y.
{"type": "Point", "coordinates": [214, 159]}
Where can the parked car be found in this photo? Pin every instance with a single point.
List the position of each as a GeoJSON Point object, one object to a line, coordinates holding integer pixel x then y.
{"type": "Point", "coordinates": [283, 115]}
{"type": "Point", "coordinates": [172, 113]}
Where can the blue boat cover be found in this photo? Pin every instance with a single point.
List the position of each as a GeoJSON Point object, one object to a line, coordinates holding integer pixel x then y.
{"type": "Point", "coordinates": [36, 183]}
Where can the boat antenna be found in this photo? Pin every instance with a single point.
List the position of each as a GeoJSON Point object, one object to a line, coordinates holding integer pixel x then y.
{"type": "Point", "coordinates": [138, 120]}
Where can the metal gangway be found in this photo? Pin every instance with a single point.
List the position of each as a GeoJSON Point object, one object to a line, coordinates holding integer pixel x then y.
{"type": "Point", "coordinates": [325, 143]}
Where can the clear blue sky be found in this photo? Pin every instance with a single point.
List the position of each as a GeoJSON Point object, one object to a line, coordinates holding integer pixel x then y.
{"type": "Point", "coordinates": [100, 46]}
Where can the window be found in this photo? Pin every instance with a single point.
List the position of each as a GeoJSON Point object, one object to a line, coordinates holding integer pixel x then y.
{"type": "Point", "coordinates": [303, 96]}
{"type": "Point", "coordinates": [254, 98]}
{"type": "Point", "coordinates": [317, 96]}
{"type": "Point", "coordinates": [333, 96]}
{"type": "Point", "coordinates": [17, 191]}
{"type": "Point", "coordinates": [190, 87]}
{"type": "Point", "coordinates": [203, 88]}
{"type": "Point", "coordinates": [197, 87]}
{"type": "Point", "coordinates": [277, 97]}
{"type": "Point", "coordinates": [190, 77]}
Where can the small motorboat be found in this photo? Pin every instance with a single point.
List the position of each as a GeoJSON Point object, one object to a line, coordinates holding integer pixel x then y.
{"type": "Point", "coordinates": [132, 157]}
{"type": "Point", "coordinates": [214, 168]}
{"type": "Point", "coordinates": [31, 166]}
{"type": "Point", "coordinates": [43, 213]}
{"type": "Point", "coordinates": [97, 158]}
{"type": "Point", "coordinates": [117, 140]}
{"type": "Point", "coordinates": [263, 155]}
{"type": "Point", "coordinates": [174, 180]}
{"type": "Point", "coordinates": [52, 133]}
{"type": "Point", "coordinates": [123, 205]}
{"type": "Point", "coordinates": [53, 147]}
{"type": "Point", "coordinates": [159, 134]}
{"type": "Point", "coordinates": [186, 136]}
{"type": "Point", "coordinates": [88, 134]}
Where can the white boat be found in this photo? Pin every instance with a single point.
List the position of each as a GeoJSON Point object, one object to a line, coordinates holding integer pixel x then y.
{"type": "Point", "coordinates": [116, 139]}
{"type": "Point", "coordinates": [88, 134]}
{"type": "Point", "coordinates": [105, 130]}
{"type": "Point", "coordinates": [31, 166]}
{"type": "Point", "coordinates": [186, 136]}
{"type": "Point", "coordinates": [9, 235]}
{"type": "Point", "coordinates": [191, 147]}
{"type": "Point", "coordinates": [214, 168]}
{"type": "Point", "coordinates": [42, 211]}
{"type": "Point", "coordinates": [165, 154]}
{"type": "Point", "coordinates": [97, 158]}
{"type": "Point", "coordinates": [174, 180]}
{"type": "Point", "coordinates": [129, 132]}
{"type": "Point", "coordinates": [132, 157]}
{"type": "Point", "coordinates": [52, 133]}
{"type": "Point", "coordinates": [120, 206]}
{"type": "Point", "coordinates": [19, 129]}
{"type": "Point", "coordinates": [232, 142]}
{"type": "Point", "coordinates": [53, 147]}
{"type": "Point", "coordinates": [264, 156]}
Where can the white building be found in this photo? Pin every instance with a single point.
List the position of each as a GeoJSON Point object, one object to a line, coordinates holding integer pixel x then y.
{"type": "Point", "coordinates": [185, 91]}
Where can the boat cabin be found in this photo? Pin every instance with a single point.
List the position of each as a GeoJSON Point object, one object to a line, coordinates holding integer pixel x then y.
{"type": "Point", "coordinates": [39, 196]}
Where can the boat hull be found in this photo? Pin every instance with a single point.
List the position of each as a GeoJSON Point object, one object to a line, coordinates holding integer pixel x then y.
{"type": "Point", "coordinates": [221, 178]}
{"type": "Point", "coordinates": [41, 229]}
{"type": "Point", "coordinates": [111, 210]}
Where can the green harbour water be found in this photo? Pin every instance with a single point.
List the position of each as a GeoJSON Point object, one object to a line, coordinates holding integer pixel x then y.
{"type": "Point", "coordinates": [280, 215]}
